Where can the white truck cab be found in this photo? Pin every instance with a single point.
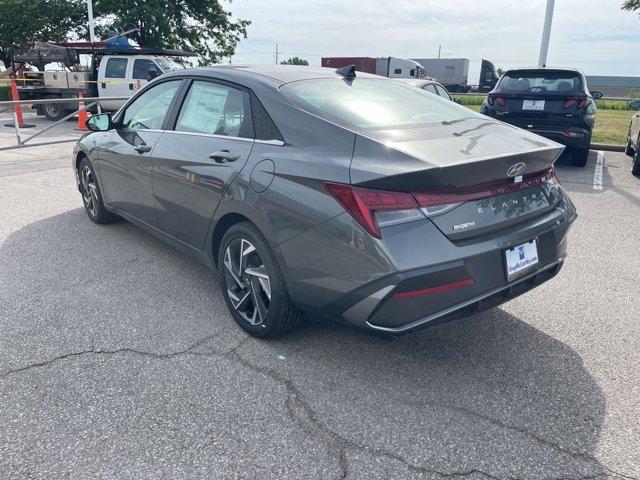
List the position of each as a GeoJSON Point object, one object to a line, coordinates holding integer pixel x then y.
{"type": "Point", "coordinates": [123, 75]}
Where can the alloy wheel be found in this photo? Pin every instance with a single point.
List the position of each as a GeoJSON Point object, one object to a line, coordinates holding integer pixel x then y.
{"type": "Point", "coordinates": [88, 189]}
{"type": "Point", "coordinates": [247, 281]}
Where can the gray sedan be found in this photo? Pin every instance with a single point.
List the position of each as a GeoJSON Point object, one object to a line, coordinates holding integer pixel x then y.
{"type": "Point", "coordinates": [309, 190]}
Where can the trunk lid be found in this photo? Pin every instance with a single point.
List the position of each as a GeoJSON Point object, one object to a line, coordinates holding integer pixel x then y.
{"type": "Point", "coordinates": [450, 155]}
{"type": "Point", "coordinates": [468, 164]}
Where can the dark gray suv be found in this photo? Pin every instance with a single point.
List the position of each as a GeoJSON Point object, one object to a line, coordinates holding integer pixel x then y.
{"type": "Point", "coordinates": [312, 190]}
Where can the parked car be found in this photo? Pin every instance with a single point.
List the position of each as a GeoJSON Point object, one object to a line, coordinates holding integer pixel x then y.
{"type": "Point", "coordinates": [430, 85]}
{"type": "Point", "coordinates": [633, 138]}
{"type": "Point", "coordinates": [312, 190]}
{"type": "Point", "coordinates": [552, 102]}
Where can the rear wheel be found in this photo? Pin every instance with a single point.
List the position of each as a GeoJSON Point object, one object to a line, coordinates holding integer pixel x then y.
{"type": "Point", "coordinates": [635, 169]}
{"type": "Point", "coordinates": [53, 111]}
{"type": "Point", "coordinates": [252, 283]}
{"type": "Point", "coordinates": [579, 158]}
{"type": "Point", "coordinates": [628, 150]}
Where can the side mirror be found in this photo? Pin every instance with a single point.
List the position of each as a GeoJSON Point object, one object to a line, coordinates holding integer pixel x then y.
{"type": "Point", "coordinates": [151, 74]}
{"type": "Point", "coordinates": [635, 104]}
{"type": "Point", "coordinates": [100, 122]}
{"type": "Point", "coordinates": [597, 95]}
{"type": "Point", "coordinates": [458, 100]}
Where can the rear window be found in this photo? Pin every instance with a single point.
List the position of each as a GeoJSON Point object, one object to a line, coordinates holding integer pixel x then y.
{"type": "Point", "coordinates": [373, 103]}
{"type": "Point", "coordinates": [539, 82]}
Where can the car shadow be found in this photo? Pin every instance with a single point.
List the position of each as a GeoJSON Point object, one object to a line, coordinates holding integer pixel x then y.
{"type": "Point", "coordinates": [489, 392]}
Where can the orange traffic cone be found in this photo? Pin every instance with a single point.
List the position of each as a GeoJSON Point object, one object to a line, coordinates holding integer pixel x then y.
{"type": "Point", "coordinates": [82, 116]}
{"type": "Point", "coordinates": [15, 96]}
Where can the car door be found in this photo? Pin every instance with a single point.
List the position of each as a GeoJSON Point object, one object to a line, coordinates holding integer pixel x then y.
{"type": "Point", "coordinates": [113, 81]}
{"type": "Point", "coordinates": [196, 161]}
{"type": "Point", "coordinates": [140, 72]}
{"type": "Point", "coordinates": [125, 152]}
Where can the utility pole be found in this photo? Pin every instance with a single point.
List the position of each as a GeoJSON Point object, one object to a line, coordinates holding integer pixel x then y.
{"type": "Point", "coordinates": [439, 50]}
{"type": "Point", "coordinates": [277, 58]}
{"type": "Point", "coordinates": [92, 34]}
{"type": "Point", "coordinates": [546, 33]}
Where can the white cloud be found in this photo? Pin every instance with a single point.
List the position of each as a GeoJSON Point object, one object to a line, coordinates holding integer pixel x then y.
{"type": "Point", "coordinates": [595, 36]}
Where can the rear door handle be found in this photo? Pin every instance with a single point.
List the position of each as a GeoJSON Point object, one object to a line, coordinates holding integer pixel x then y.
{"type": "Point", "coordinates": [142, 148]}
{"type": "Point", "coordinates": [224, 156]}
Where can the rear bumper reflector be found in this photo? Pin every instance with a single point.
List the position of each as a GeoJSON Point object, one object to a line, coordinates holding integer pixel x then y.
{"type": "Point", "coordinates": [429, 291]}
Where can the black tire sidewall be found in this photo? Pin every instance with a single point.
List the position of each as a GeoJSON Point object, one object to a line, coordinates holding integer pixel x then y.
{"type": "Point", "coordinates": [279, 304]}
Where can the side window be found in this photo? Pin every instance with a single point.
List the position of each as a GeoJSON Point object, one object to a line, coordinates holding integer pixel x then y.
{"type": "Point", "coordinates": [215, 109]}
{"type": "Point", "coordinates": [141, 67]}
{"type": "Point", "coordinates": [443, 92]}
{"type": "Point", "coordinates": [116, 67]}
{"type": "Point", "coordinates": [397, 71]}
{"type": "Point", "coordinates": [147, 112]}
{"type": "Point", "coordinates": [429, 87]}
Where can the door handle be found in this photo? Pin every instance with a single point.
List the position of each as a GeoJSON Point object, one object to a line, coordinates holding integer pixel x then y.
{"type": "Point", "coordinates": [131, 86]}
{"type": "Point", "coordinates": [142, 148]}
{"type": "Point", "coordinates": [224, 156]}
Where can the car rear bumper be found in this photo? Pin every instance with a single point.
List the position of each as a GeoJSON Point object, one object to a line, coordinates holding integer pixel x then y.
{"type": "Point", "coordinates": [571, 137]}
{"type": "Point", "coordinates": [362, 282]}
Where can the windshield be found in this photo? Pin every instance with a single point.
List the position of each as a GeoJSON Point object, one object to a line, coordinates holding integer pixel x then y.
{"type": "Point", "coordinates": [169, 64]}
{"type": "Point", "coordinates": [373, 103]}
{"type": "Point", "coordinates": [539, 82]}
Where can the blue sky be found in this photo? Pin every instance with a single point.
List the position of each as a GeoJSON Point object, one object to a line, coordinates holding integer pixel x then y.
{"type": "Point", "coordinates": [593, 35]}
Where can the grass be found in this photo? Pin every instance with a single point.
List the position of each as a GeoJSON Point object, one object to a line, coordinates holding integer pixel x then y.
{"type": "Point", "coordinates": [611, 125]}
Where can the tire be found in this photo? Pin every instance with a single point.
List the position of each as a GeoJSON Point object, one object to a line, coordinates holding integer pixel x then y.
{"type": "Point", "coordinates": [91, 195]}
{"type": "Point", "coordinates": [579, 158]}
{"type": "Point", "coordinates": [244, 259]}
{"type": "Point", "coordinates": [635, 168]}
{"type": "Point", "coordinates": [53, 111]}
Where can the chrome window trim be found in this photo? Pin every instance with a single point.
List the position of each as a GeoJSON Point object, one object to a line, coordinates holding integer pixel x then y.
{"type": "Point", "coordinates": [227, 137]}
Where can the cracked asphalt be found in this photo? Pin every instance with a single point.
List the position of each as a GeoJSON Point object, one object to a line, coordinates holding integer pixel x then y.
{"type": "Point", "coordinates": [118, 360]}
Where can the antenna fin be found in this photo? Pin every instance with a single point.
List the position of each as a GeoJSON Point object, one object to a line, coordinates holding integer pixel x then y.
{"type": "Point", "coordinates": [348, 71]}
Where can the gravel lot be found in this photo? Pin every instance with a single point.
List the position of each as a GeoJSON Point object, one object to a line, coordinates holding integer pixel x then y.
{"type": "Point", "coordinates": [118, 359]}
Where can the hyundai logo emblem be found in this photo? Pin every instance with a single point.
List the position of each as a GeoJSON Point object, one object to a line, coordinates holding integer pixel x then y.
{"type": "Point", "coordinates": [516, 169]}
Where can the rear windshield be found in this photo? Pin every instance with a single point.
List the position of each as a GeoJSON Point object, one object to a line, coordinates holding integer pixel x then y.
{"type": "Point", "coordinates": [539, 82]}
{"type": "Point", "coordinates": [373, 103]}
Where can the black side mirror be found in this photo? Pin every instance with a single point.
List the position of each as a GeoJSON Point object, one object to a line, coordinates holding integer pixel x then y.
{"type": "Point", "coordinates": [458, 100]}
{"type": "Point", "coordinates": [635, 104]}
{"type": "Point", "coordinates": [597, 95]}
{"type": "Point", "coordinates": [100, 122]}
{"type": "Point", "coordinates": [151, 74]}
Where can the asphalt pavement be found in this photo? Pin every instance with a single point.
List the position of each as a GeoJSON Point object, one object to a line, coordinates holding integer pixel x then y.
{"type": "Point", "coordinates": [118, 359]}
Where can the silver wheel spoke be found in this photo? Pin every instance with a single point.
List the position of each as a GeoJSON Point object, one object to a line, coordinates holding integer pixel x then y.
{"type": "Point", "coordinates": [262, 277]}
{"type": "Point", "coordinates": [258, 301]}
{"type": "Point", "coordinates": [230, 267]}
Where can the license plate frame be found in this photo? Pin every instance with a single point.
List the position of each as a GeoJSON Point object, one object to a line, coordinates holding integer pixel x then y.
{"type": "Point", "coordinates": [533, 105]}
{"type": "Point", "coordinates": [521, 259]}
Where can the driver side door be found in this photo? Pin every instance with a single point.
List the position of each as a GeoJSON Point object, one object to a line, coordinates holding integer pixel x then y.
{"type": "Point", "coordinates": [125, 152]}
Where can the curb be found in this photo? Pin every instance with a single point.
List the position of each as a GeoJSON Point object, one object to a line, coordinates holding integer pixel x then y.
{"type": "Point", "coordinates": [607, 147]}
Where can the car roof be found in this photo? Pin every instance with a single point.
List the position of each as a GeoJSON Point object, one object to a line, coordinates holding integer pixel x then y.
{"type": "Point", "coordinates": [279, 74]}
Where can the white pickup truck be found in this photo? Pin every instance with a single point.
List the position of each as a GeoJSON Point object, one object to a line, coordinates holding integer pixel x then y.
{"type": "Point", "coordinates": [111, 74]}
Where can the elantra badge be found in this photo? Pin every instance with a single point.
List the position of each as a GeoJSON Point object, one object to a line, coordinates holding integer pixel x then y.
{"type": "Point", "coordinates": [516, 169]}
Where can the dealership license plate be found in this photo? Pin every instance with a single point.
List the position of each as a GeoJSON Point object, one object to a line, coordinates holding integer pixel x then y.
{"type": "Point", "coordinates": [537, 105]}
{"type": "Point", "coordinates": [521, 259]}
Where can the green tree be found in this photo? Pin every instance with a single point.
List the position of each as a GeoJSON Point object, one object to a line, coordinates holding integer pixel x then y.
{"type": "Point", "coordinates": [25, 21]}
{"type": "Point", "coordinates": [295, 61]}
{"type": "Point", "coordinates": [200, 26]}
{"type": "Point", "coordinates": [631, 5]}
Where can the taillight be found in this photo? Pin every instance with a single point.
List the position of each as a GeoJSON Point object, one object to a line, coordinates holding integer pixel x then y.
{"type": "Point", "coordinates": [570, 102]}
{"type": "Point", "coordinates": [375, 208]}
{"type": "Point", "coordinates": [379, 208]}
{"type": "Point", "coordinates": [491, 99]}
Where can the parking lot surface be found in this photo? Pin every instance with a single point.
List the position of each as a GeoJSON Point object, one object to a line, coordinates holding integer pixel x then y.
{"type": "Point", "coordinates": [118, 359]}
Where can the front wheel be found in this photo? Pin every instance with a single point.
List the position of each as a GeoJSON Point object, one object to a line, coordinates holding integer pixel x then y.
{"type": "Point", "coordinates": [91, 195]}
{"type": "Point", "coordinates": [253, 285]}
{"type": "Point", "coordinates": [53, 111]}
